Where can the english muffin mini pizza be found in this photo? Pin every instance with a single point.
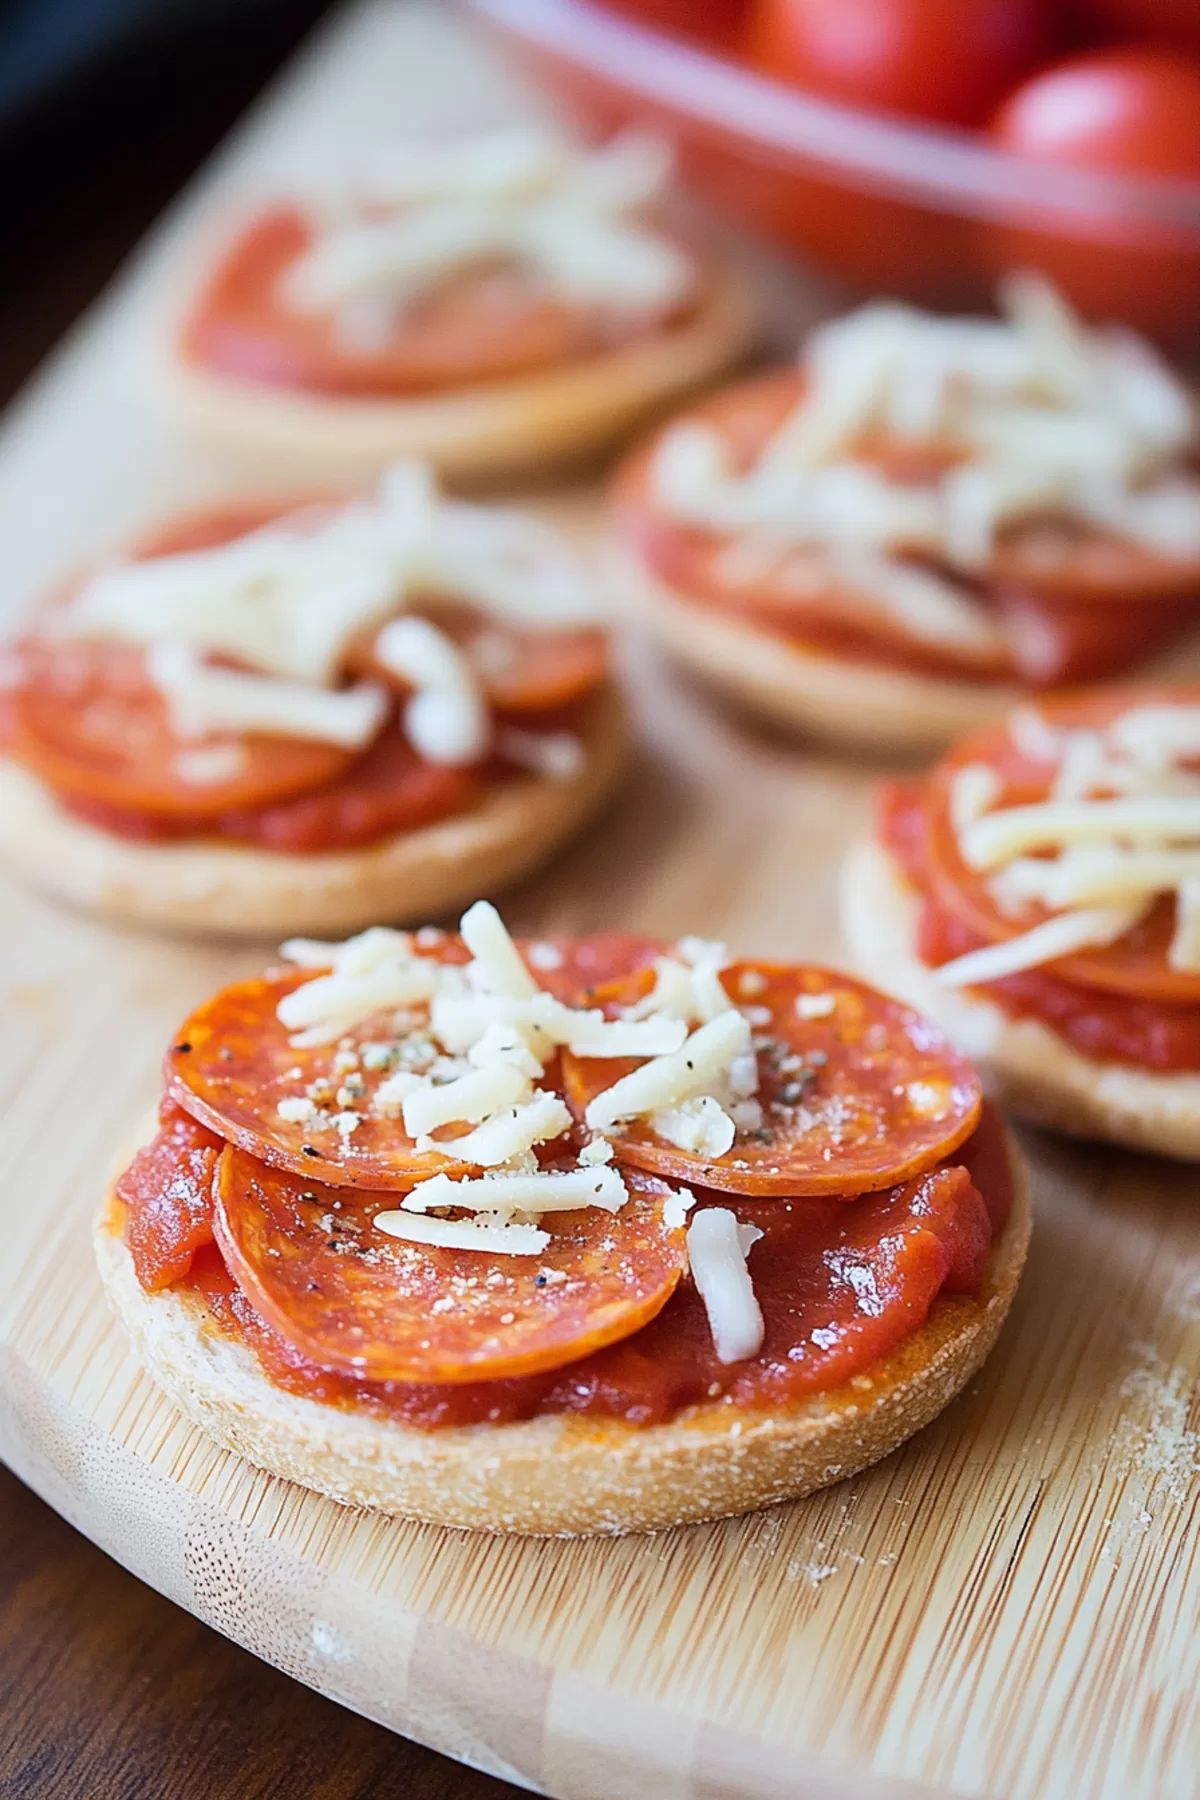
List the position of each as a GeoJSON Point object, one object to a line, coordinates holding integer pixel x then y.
{"type": "Point", "coordinates": [261, 722]}
{"type": "Point", "coordinates": [928, 516]}
{"type": "Point", "coordinates": [1039, 895]}
{"type": "Point", "coordinates": [562, 1237]}
{"type": "Point", "coordinates": [489, 303]}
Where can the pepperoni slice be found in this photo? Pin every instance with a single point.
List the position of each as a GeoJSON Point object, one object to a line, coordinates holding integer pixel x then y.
{"type": "Point", "coordinates": [521, 671]}
{"type": "Point", "coordinates": [593, 962]}
{"type": "Point", "coordinates": [309, 1259]}
{"type": "Point", "coordinates": [796, 598]}
{"type": "Point", "coordinates": [233, 1063]}
{"type": "Point", "coordinates": [167, 1191]}
{"type": "Point", "coordinates": [386, 790]}
{"type": "Point", "coordinates": [483, 325]}
{"type": "Point", "coordinates": [1137, 964]}
{"type": "Point", "coordinates": [1074, 601]}
{"type": "Point", "coordinates": [855, 1098]}
{"type": "Point", "coordinates": [1059, 642]}
{"type": "Point", "coordinates": [1106, 1027]}
{"type": "Point", "coordinates": [1078, 563]}
{"type": "Point", "coordinates": [86, 718]}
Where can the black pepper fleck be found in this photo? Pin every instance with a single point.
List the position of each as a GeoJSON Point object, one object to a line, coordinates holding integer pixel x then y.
{"type": "Point", "coordinates": [182, 1049]}
{"type": "Point", "coordinates": [309, 1150]}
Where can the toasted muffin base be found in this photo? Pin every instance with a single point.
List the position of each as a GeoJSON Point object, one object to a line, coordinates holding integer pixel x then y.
{"type": "Point", "coordinates": [1034, 1072]}
{"type": "Point", "coordinates": [852, 703]}
{"type": "Point", "coordinates": [560, 1476]}
{"type": "Point", "coordinates": [519, 425]}
{"type": "Point", "coordinates": [225, 889]}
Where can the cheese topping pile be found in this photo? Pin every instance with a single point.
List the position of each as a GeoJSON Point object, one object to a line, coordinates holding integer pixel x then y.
{"type": "Point", "coordinates": [1039, 418]}
{"type": "Point", "coordinates": [1120, 829]}
{"type": "Point", "coordinates": [286, 600]}
{"type": "Point", "coordinates": [412, 217]}
{"type": "Point", "coordinates": [468, 1046]}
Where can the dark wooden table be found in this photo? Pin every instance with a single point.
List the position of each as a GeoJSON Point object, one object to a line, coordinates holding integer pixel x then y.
{"type": "Point", "coordinates": [107, 1691]}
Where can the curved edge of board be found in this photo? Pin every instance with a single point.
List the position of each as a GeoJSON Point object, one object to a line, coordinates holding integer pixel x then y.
{"type": "Point", "coordinates": [546, 1729]}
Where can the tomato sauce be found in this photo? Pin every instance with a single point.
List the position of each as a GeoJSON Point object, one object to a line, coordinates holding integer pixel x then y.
{"type": "Point", "coordinates": [841, 1285]}
{"type": "Point", "coordinates": [1107, 1026]}
{"type": "Point", "coordinates": [1072, 601]}
{"type": "Point", "coordinates": [387, 789]}
{"type": "Point", "coordinates": [481, 325]}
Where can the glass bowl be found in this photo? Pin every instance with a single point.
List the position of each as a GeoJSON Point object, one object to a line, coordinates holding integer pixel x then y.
{"type": "Point", "coordinates": [925, 211]}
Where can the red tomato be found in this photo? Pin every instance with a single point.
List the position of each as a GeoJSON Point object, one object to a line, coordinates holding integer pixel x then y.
{"type": "Point", "coordinates": [935, 59]}
{"type": "Point", "coordinates": [1175, 22]}
{"type": "Point", "coordinates": [717, 20]}
{"type": "Point", "coordinates": [1135, 110]}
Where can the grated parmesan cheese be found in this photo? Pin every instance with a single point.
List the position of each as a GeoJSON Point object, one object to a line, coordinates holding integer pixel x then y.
{"type": "Point", "coordinates": [678, 1205]}
{"type": "Point", "coordinates": [700, 1125]}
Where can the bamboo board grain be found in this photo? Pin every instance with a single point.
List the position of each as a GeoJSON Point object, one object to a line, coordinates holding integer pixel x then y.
{"type": "Point", "coordinates": [1009, 1606]}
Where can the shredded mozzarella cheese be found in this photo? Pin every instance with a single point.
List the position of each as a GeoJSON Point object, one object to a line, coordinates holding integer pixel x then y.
{"type": "Point", "coordinates": [506, 1135]}
{"type": "Point", "coordinates": [1090, 928]}
{"type": "Point", "coordinates": [542, 1193]}
{"type": "Point", "coordinates": [666, 1080]}
{"type": "Point", "coordinates": [1035, 417]}
{"type": "Point", "coordinates": [1012, 830]}
{"type": "Point", "coordinates": [466, 1101]}
{"type": "Point", "coordinates": [1120, 829]}
{"type": "Point", "coordinates": [494, 1235]}
{"type": "Point", "coordinates": [447, 719]}
{"type": "Point", "coordinates": [472, 1042]}
{"type": "Point", "coordinates": [204, 700]}
{"type": "Point", "coordinates": [498, 967]}
{"type": "Point", "coordinates": [287, 599]}
{"type": "Point", "coordinates": [717, 1250]}
{"type": "Point", "coordinates": [568, 218]}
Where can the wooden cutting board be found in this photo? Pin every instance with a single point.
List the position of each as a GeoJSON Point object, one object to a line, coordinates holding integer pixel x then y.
{"type": "Point", "coordinates": [1009, 1606]}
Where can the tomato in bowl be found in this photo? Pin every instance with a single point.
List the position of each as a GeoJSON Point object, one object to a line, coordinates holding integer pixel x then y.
{"type": "Point", "coordinates": [926, 210]}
